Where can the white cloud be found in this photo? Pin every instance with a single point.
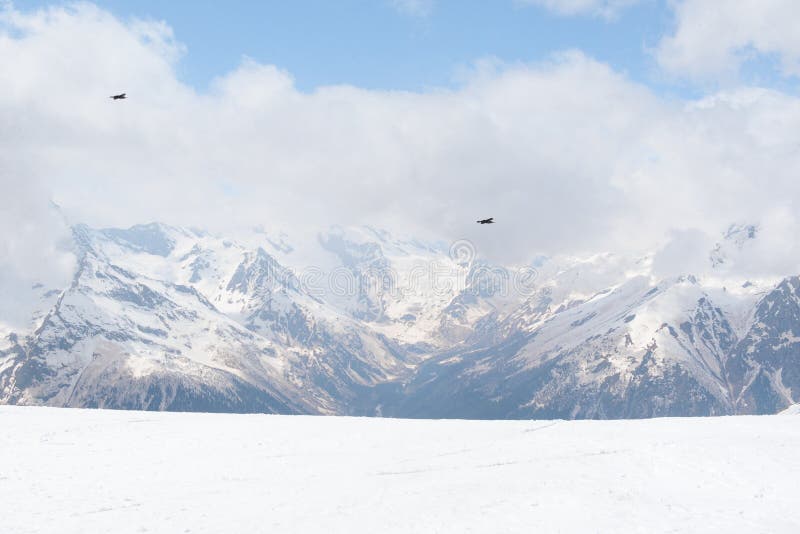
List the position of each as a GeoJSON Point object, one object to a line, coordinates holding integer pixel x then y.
{"type": "Point", "coordinates": [685, 252]}
{"type": "Point", "coordinates": [35, 250]}
{"type": "Point", "coordinates": [414, 8]}
{"type": "Point", "coordinates": [603, 8]}
{"type": "Point", "coordinates": [712, 39]}
{"type": "Point", "coordinates": [567, 155]}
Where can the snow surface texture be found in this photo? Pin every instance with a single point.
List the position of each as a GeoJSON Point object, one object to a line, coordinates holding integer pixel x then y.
{"type": "Point", "coordinates": [792, 410]}
{"type": "Point", "coordinates": [83, 471]}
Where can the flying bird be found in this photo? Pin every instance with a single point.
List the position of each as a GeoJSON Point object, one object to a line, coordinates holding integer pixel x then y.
{"type": "Point", "coordinates": [118, 97]}
{"type": "Point", "coordinates": [490, 220]}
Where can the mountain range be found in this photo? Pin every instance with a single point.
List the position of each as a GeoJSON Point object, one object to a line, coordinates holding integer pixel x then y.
{"type": "Point", "coordinates": [355, 321]}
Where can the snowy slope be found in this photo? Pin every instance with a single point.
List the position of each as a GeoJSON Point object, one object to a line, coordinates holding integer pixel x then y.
{"type": "Point", "coordinates": [355, 321]}
{"type": "Point", "coordinates": [82, 471]}
{"type": "Point", "coordinates": [604, 338]}
{"type": "Point", "coordinates": [166, 318]}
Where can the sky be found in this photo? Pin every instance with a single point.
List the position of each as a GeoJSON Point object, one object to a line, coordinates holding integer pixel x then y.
{"type": "Point", "coordinates": [582, 126]}
{"type": "Point", "coordinates": [391, 45]}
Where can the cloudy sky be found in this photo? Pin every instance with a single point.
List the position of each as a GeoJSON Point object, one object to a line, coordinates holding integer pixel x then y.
{"type": "Point", "coordinates": [580, 125]}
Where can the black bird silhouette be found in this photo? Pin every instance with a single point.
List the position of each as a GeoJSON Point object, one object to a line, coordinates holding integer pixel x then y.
{"type": "Point", "coordinates": [490, 220]}
{"type": "Point", "coordinates": [118, 97]}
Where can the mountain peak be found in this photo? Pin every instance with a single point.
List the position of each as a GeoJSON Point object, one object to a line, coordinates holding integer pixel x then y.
{"type": "Point", "coordinates": [734, 240]}
{"type": "Point", "coordinates": [164, 318]}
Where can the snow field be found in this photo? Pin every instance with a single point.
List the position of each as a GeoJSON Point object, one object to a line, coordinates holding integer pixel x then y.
{"type": "Point", "coordinates": [70, 470]}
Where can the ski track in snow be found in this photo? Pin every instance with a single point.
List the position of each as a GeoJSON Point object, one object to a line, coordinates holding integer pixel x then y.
{"type": "Point", "coordinates": [70, 470]}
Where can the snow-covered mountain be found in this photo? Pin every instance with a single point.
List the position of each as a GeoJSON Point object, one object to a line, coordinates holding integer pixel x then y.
{"type": "Point", "coordinates": [356, 321]}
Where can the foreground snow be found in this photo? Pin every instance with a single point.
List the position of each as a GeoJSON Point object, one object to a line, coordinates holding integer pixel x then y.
{"type": "Point", "coordinates": [65, 470]}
